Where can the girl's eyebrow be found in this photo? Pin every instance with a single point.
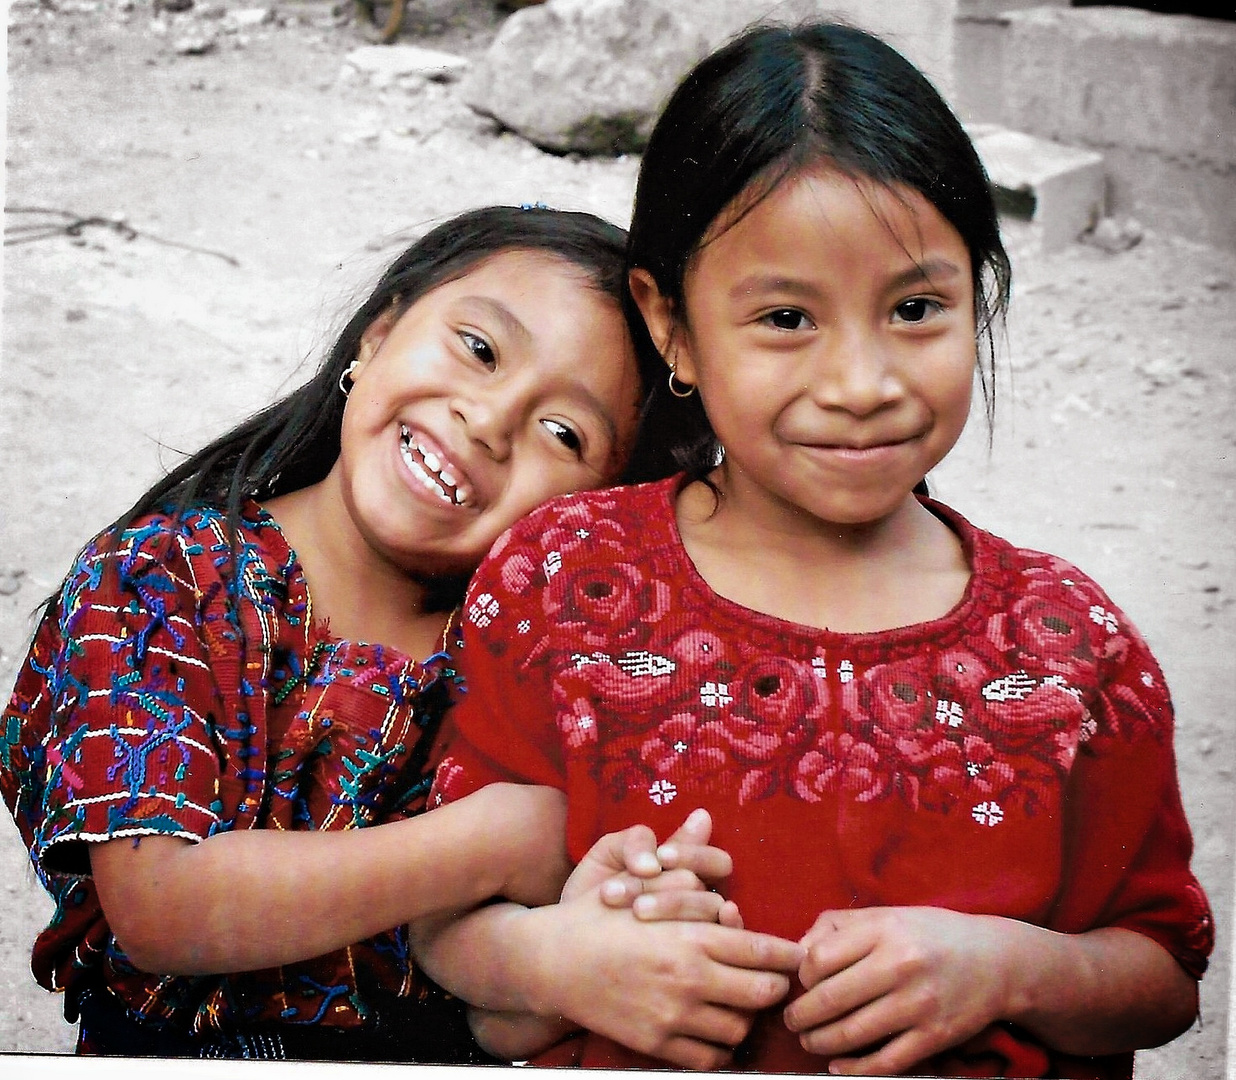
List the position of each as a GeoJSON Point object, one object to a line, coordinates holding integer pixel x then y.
{"type": "Point", "coordinates": [503, 314]}
{"type": "Point", "coordinates": [762, 283]}
{"type": "Point", "coordinates": [928, 270]}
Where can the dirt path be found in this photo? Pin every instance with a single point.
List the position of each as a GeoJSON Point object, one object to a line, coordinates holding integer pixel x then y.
{"type": "Point", "coordinates": [1114, 440]}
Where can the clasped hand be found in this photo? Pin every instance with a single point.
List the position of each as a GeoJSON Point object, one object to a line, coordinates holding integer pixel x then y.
{"type": "Point", "coordinates": [885, 987]}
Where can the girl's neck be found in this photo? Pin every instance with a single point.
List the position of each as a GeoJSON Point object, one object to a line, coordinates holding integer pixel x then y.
{"type": "Point", "coordinates": [906, 568]}
{"type": "Point", "coordinates": [359, 595]}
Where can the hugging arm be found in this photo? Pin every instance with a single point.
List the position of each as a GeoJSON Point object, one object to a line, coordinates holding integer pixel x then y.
{"type": "Point", "coordinates": [681, 991]}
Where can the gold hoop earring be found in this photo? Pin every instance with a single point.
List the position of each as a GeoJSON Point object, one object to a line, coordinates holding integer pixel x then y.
{"type": "Point", "coordinates": [690, 387]}
{"type": "Point", "coordinates": [346, 373]}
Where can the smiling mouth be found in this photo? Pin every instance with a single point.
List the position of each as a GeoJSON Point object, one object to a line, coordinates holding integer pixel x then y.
{"type": "Point", "coordinates": [428, 469]}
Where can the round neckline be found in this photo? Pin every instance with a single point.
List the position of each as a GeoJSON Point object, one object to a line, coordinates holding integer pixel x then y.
{"type": "Point", "coordinates": [315, 630]}
{"type": "Point", "coordinates": [911, 634]}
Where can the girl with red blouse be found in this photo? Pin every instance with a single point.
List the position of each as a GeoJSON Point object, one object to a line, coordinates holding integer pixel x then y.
{"type": "Point", "coordinates": [219, 747]}
{"type": "Point", "coordinates": [941, 763]}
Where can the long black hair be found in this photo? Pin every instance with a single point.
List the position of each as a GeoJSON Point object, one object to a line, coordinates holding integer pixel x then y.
{"type": "Point", "coordinates": [294, 442]}
{"type": "Point", "coordinates": [773, 101]}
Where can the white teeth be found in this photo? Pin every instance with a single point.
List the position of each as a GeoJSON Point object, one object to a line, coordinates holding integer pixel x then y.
{"type": "Point", "coordinates": [437, 484]}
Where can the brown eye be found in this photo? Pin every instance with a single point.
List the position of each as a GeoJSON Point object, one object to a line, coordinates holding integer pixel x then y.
{"type": "Point", "coordinates": [916, 310]}
{"type": "Point", "coordinates": [480, 348]}
{"type": "Point", "coordinates": [787, 319]}
{"type": "Point", "coordinates": [565, 435]}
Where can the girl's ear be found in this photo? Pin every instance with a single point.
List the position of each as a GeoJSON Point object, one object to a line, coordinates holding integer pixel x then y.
{"type": "Point", "coordinates": [657, 310]}
{"type": "Point", "coordinates": [371, 340]}
{"type": "Point", "coordinates": [663, 328]}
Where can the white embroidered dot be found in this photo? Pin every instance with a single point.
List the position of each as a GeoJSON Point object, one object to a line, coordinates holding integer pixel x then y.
{"type": "Point", "coordinates": [845, 671]}
{"type": "Point", "coordinates": [484, 610]}
{"type": "Point", "coordinates": [1102, 617]}
{"type": "Point", "coordinates": [552, 563]}
{"type": "Point", "coordinates": [714, 695]}
{"type": "Point", "coordinates": [680, 747]}
{"type": "Point", "coordinates": [988, 813]}
{"type": "Point", "coordinates": [583, 534]}
{"type": "Point", "coordinates": [662, 792]}
{"type": "Point", "coordinates": [1147, 679]}
{"type": "Point", "coordinates": [523, 626]}
{"type": "Point", "coordinates": [950, 713]}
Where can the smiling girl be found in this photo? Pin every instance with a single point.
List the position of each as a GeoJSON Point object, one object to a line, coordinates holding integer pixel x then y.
{"type": "Point", "coordinates": [941, 762]}
{"type": "Point", "coordinates": [219, 747]}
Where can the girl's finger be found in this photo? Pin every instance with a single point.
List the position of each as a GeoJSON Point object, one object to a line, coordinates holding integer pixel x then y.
{"type": "Point", "coordinates": [639, 851]}
{"type": "Point", "coordinates": [730, 916]}
{"type": "Point", "coordinates": [688, 905]}
{"type": "Point", "coordinates": [696, 829]}
{"type": "Point", "coordinates": [835, 946]}
{"type": "Point", "coordinates": [709, 863]}
{"type": "Point", "coordinates": [898, 1055]}
{"type": "Point", "coordinates": [621, 890]}
{"type": "Point", "coordinates": [694, 1054]}
{"type": "Point", "coordinates": [835, 1003]}
{"type": "Point", "coordinates": [722, 1027]}
{"type": "Point", "coordinates": [764, 953]}
{"type": "Point", "coordinates": [865, 1029]}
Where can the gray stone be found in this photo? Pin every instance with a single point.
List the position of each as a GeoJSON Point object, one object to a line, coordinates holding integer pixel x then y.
{"type": "Point", "coordinates": [387, 65]}
{"type": "Point", "coordinates": [591, 75]}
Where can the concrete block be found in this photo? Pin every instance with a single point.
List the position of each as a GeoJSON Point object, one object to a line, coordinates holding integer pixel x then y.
{"type": "Point", "coordinates": [1060, 188]}
{"type": "Point", "coordinates": [979, 56]}
{"type": "Point", "coordinates": [1153, 93]}
{"type": "Point", "coordinates": [1094, 76]}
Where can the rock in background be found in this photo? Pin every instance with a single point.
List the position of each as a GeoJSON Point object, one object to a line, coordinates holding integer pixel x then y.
{"type": "Point", "coordinates": [590, 75]}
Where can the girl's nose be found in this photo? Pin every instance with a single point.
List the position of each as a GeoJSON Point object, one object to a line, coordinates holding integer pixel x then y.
{"type": "Point", "coordinates": [488, 419]}
{"type": "Point", "coordinates": [854, 371]}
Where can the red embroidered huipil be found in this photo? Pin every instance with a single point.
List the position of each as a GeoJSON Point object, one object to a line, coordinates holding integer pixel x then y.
{"type": "Point", "coordinates": [166, 695]}
{"type": "Point", "coordinates": [1012, 758]}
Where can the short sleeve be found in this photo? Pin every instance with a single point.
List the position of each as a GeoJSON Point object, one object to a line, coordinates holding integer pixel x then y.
{"type": "Point", "coordinates": [502, 728]}
{"type": "Point", "coordinates": [1127, 841]}
{"type": "Point", "coordinates": [117, 702]}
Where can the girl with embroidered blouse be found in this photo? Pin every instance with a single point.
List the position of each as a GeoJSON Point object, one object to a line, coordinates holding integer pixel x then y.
{"type": "Point", "coordinates": [218, 769]}
{"type": "Point", "coordinates": [940, 762]}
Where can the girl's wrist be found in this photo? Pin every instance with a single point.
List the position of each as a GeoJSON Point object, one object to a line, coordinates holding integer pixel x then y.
{"type": "Point", "coordinates": [1031, 964]}
{"type": "Point", "coordinates": [541, 952]}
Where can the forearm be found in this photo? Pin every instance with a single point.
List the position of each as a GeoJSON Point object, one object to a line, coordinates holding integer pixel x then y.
{"type": "Point", "coordinates": [1101, 992]}
{"type": "Point", "coordinates": [244, 901]}
{"type": "Point", "coordinates": [492, 957]}
{"type": "Point", "coordinates": [516, 1036]}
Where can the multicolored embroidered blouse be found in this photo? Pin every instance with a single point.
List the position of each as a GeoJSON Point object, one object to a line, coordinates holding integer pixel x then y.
{"type": "Point", "coordinates": [1012, 758]}
{"type": "Point", "coordinates": [165, 695]}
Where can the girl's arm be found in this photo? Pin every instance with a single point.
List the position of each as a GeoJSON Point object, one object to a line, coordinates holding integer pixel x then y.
{"type": "Point", "coordinates": [243, 901]}
{"type": "Point", "coordinates": [933, 978]}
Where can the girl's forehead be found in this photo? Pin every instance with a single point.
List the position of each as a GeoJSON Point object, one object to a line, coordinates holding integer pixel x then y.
{"type": "Point", "coordinates": [825, 202]}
